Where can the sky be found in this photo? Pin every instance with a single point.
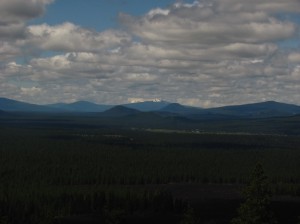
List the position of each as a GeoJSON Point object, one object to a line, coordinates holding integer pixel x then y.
{"type": "Point", "coordinates": [204, 53]}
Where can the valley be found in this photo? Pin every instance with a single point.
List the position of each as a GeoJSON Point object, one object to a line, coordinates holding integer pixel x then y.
{"type": "Point", "coordinates": [125, 165]}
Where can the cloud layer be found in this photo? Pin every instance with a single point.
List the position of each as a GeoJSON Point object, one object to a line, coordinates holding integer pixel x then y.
{"type": "Point", "coordinates": [208, 53]}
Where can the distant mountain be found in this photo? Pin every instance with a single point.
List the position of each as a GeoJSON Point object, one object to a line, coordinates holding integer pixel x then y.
{"type": "Point", "coordinates": [14, 105]}
{"type": "Point", "coordinates": [161, 108]}
{"type": "Point", "coordinates": [256, 110]}
{"type": "Point", "coordinates": [148, 105]}
{"type": "Point", "coordinates": [80, 106]}
{"type": "Point", "coordinates": [119, 111]}
{"type": "Point", "coordinates": [180, 109]}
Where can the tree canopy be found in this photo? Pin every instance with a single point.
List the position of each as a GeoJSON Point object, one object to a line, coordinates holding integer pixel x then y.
{"type": "Point", "coordinates": [256, 208]}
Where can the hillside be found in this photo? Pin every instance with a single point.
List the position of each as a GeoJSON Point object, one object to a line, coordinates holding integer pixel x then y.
{"type": "Point", "coordinates": [263, 109]}
{"type": "Point", "coordinates": [119, 111]}
{"type": "Point", "coordinates": [181, 109]}
{"type": "Point", "coordinates": [14, 105]}
{"type": "Point", "coordinates": [80, 106]}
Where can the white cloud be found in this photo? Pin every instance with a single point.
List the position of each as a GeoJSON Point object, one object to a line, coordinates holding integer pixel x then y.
{"type": "Point", "coordinates": [187, 5]}
{"type": "Point", "coordinates": [295, 75]}
{"type": "Point", "coordinates": [138, 100]}
{"type": "Point", "coordinates": [194, 102]}
{"type": "Point", "coordinates": [158, 12]}
{"type": "Point", "coordinates": [143, 77]}
{"type": "Point", "coordinates": [206, 53]}
{"type": "Point", "coordinates": [59, 62]}
{"type": "Point", "coordinates": [68, 37]}
{"type": "Point", "coordinates": [273, 6]}
{"type": "Point", "coordinates": [294, 57]}
{"type": "Point", "coordinates": [216, 27]}
{"type": "Point", "coordinates": [33, 91]}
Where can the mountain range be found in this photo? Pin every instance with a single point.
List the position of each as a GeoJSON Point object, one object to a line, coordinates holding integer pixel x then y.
{"type": "Point", "coordinates": [79, 106]}
{"type": "Point", "coordinates": [159, 108]}
{"type": "Point", "coordinates": [14, 105]}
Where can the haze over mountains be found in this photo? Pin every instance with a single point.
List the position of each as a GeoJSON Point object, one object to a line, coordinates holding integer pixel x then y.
{"type": "Point", "coordinates": [258, 118]}
{"type": "Point", "coordinates": [14, 105]}
{"type": "Point", "coordinates": [161, 108]}
{"type": "Point", "coordinates": [79, 106]}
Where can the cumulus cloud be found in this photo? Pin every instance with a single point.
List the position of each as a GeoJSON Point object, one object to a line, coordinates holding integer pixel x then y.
{"type": "Point", "coordinates": [294, 57]}
{"type": "Point", "coordinates": [208, 23]}
{"type": "Point", "coordinates": [15, 13]}
{"type": "Point", "coordinates": [68, 37]}
{"type": "Point", "coordinates": [205, 53]}
{"type": "Point", "coordinates": [259, 5]}
{"type": "Point", "coordinates": [8, 51]}
{"type": "Point", "coordinates": [33, 91]}
{"type": "Point", "coordinates": [138, 100]}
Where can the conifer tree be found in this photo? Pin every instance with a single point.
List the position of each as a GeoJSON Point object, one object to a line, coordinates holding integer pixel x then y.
{"type": "Point", "coordinates": [256, 208]}
{"type": "Point", "coordinates": [189, 216]}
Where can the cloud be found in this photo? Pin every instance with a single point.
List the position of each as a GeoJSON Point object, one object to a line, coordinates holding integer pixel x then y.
{"type": "Point", "coordinates": [294, 57]}
{"type": "Point", "coordinates": [8, 51]}
{"type": "Point", "coordinates": [138, 100]}
{"type": "Point", "coordinates": [14, 14]}
{"type": "Point", "coordinates": [205, 53]}
{"type": "Point", "coordinates": [33, 91]}
{"type": "Point", "coordinates": [208, 23]}
{"type": "Point", "coordinates": [274, 6]}
{"type": "Point", "coordinates": [68, 37]}
{"type": "Point", "coordinates": [16, 10]}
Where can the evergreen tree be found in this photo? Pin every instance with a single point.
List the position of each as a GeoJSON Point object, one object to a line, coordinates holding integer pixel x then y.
{"type": "Point", "coordinates": [256, 208]}
{"type": "Point", "coordinates": [189, 216]}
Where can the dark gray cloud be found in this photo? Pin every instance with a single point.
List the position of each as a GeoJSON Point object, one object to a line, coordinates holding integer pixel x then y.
{"type": "Point", "coordinates": [15, 13]}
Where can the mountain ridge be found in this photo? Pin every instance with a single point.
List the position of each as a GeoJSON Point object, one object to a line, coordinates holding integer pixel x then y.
{"type": "Point", "coordinates": [251, 110]}
{"type": "Point", "coordinates": [260, 109]}
{"type": "Point", "coordinates": [80, 106]}
{"type": "Point", "coordinates": [181, 109]}
{"type": "Point", "coordinates": [119, 111]}
{"type": "Point", "coordinates": [14, 105]}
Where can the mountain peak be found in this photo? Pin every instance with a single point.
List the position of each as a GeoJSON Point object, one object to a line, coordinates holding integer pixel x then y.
{"type": "Point", "coordinates": [178, 108]}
